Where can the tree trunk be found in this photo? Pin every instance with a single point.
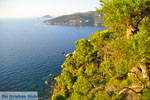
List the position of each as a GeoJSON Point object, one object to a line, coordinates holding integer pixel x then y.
{"type": "Point", "coordinates": [133, 28]}
{"type": "Point", "coordinates": [145, 72]}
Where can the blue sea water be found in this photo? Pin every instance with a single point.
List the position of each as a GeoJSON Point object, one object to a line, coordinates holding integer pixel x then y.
{"type": "Point", "coordinates": [30, 51]}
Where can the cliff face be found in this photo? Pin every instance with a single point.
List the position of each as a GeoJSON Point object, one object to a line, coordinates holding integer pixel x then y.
{"type": "Point", "coordinates": [78, 19]}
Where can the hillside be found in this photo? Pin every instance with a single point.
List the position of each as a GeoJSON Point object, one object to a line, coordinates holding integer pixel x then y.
{"type": "Point", "coordinates": [78, 19]}
{"type": "Point", "coordinates": [113, 64]}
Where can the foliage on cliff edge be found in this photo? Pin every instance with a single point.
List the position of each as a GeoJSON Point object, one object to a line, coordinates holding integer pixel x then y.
{"type": "Point", "coordinates": [112, 64]}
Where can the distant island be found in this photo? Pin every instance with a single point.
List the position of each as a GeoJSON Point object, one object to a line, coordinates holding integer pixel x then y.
{"type": "Point", "coordinates": [47, 16]}
{"type": "Point", "coordinates": [78, 19]}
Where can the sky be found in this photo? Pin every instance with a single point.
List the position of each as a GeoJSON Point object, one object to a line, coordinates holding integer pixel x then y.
{"type": "Point", "coordinates": [38, 8]}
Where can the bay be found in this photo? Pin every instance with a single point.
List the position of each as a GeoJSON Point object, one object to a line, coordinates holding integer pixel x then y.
{"type": "Point", "coordinates": [30, 51]}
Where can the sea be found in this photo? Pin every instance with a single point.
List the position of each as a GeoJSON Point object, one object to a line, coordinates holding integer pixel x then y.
{"type": "Point", "coordinates": [30, 52]}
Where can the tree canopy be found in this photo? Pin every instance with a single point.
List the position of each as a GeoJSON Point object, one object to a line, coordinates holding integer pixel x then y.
{"type": "Point", "coordinates": [124, 16]}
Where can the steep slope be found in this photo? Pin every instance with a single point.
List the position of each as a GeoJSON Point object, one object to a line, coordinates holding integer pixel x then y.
{"type": "Point", "coordinates": [105, 68]}
{"type": "Point", "coordinates": [111, 65]}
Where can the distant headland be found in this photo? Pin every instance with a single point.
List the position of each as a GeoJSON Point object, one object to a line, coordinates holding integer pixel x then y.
{"type": "Point", "coordinates": [90, 18]}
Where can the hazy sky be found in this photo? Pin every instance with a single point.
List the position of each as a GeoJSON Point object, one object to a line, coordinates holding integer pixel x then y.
{"type": "Point", "coordinates": [38, 8]}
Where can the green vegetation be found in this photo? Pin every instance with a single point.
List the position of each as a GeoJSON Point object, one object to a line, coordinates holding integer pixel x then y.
{"type": "Point", "coordinates": [58, 97]}
{"type": "Point", "coordinates": [113, 64]}
{"type": "Point", "coordinates": [78, 19]}
{"type": "Point", "coordinates": [125, 15]}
